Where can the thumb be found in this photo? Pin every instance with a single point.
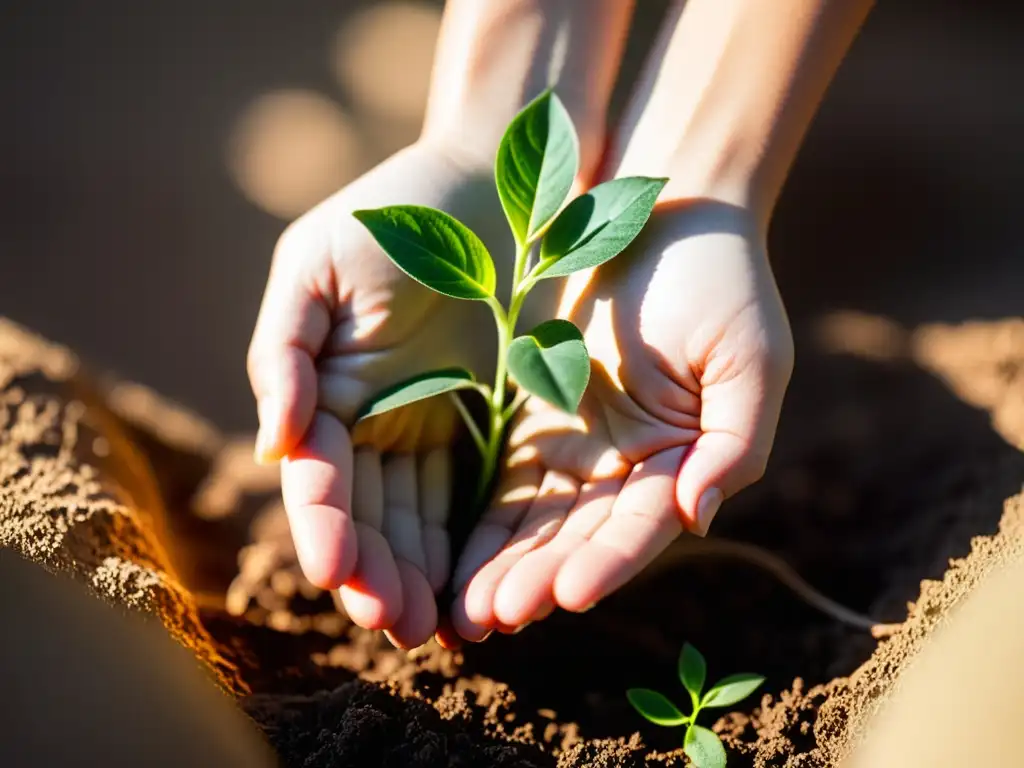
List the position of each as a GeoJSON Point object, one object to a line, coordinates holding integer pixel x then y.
{"type": "Point", "coordinates": [738, 422]}
{"type": "Point", "coordinates": [290, 331]}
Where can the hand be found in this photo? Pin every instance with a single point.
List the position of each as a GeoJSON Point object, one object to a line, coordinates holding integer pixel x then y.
{"type": "Point", "coordinates": [338, 323]}
{"type": "Point", "coordinates": [691, 356]}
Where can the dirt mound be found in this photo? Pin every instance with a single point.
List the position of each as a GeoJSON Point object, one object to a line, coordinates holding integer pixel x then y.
{"type": "Point", "coordinates": [154, 509]}
{"type": "Point", "coordinates": [76, 496]}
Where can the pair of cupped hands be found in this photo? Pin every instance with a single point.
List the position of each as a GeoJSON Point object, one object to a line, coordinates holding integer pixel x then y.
{"type": "Point", "coordinates": [691, 354]}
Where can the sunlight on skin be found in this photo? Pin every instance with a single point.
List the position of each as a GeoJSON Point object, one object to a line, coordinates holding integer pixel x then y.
{"type": "Point", "coordinates": [385, 552]}
{"type": "Point", "coordinates": [691, 355]}
{"type": "Point", "coordinates": [339, 322]}
{"type": "Point", "coordinates": [692, 349]}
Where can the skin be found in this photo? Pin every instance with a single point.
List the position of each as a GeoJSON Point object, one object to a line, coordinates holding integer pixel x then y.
{"type": "Point", "coordinates": [691, 346]}
{"type": "Point", "coordinates": [691, 355]}
{"type": "Point", "coordinates": [338, 322]}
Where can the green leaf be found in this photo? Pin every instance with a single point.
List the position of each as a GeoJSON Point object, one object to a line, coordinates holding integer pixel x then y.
{"type": "Point", "coordinates": [704, 747]}
{"type": "Point", "coordinates": [655, 707]}
{"type": "Point", "coordinates": [732, 689]}
{"type": "Point", "coordinates": [552, 363]}
{"type": "Point", "coordinates": [597, 226]}
{"type": "Point", "coordinates": [418, 387]}
{"type": "Point", "coordinates": [433, 248]}
{"type": "Point", "coordinates": [692, 669]}
{"type": "Point", "coordinates": [536, 165]}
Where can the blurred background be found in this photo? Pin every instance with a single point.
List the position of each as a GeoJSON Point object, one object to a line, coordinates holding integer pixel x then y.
{"type": "Point", "coordinates": [151, 153]}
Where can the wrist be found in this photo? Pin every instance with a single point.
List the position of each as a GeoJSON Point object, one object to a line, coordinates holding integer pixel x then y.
{"type": "Point", "coordinates": [471, 139]}
{"type": "Point", "coordinates": [726, 102]}
{"type": "Point", "coordinates": [716, 160]}
{"type": "Point", "coordinates": [494, 57]}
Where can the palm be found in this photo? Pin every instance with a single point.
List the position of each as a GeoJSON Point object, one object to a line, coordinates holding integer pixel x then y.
{"type": "Point", "coordinates": [385, 326]}
{"type": "Point", "coordinates": [350, 323]}
{"type": "Point", "coordinates": [691, 352]}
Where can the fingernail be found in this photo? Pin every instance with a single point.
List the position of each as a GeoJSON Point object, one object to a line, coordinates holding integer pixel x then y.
{"type": "Point", "coordinates": [587, 607]}
{"type": "Point", "coordinates": [488, 634]}
{"type": "Point", "coordinates": [707, 508]}
{"type": "Point", "coordinates": [521, 627]}
{"type": "Point", "coordinates": [269, 431]}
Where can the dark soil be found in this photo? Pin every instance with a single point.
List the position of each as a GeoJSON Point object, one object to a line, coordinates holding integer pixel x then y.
{"type": "Point", "coordinates": [881, 475]}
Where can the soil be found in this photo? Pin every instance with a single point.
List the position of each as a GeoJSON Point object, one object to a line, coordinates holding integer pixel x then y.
{"type": "Point", "coordinates": [893, 489]}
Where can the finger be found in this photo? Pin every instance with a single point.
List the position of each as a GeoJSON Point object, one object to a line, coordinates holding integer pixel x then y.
{"type": "Point", "coordinates": [434, 500]}
{"type": "Point", "coordinates": [462, 625]}
{"type": "Point", "coordinates": [293, 323]}
{"type": "Point", "coordinates": [642, 523]}
{"type": "Point", "coordinates": [373, 597]}
{"type": "Point", "coordinates": [738, 422]}
{"type": "Point", "coordinates": [557, 494]}
{"type": "Point", "coordinates": [544, 610]}
{"type": "Point", "coordinates": [529, 584]}
{"type": "Point", "coordinates": [402, 526]}
{"type": "Point", "coordinates": [368, 488]}
{"type": "Point", "coordinates": [419, 615]}
{"type": "Point", "coordinates": [504, 629]}
{"type": "Point", "coordinates": [446, 636]}
{"type": "Point", "coordinates": [315, 486]}
{"type": "Point", "coordinates": [517, 488]}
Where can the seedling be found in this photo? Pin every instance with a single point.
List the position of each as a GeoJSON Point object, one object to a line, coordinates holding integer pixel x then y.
{"type": "Point", "coordinates": [700, 744]}
{"type": "Point", "coordinates": [535, 167]}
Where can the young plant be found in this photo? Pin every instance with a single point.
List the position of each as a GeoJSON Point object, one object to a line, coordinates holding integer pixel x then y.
{"type": "Point", "coordinates": [700, 744]}
{"type": "Point", "coordinates": [536, 165]}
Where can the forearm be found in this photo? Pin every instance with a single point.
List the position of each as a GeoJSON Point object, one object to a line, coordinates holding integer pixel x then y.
{"type": "Point", "coordinates": [729, 94]}
{"type": "Point", "coordinates": [494, 56]}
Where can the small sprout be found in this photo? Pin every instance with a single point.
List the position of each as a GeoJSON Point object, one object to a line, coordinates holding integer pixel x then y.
{"type": "Point", "coordinates": [534, 170]}
{"type": "Point", "coordinates": [701, 745]}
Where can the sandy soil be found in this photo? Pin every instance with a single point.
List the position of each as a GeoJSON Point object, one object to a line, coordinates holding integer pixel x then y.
{"type": "Point", "coordinates": [912, 463]}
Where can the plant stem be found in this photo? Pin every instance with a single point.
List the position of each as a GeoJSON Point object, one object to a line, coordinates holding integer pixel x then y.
{"type": "Point", "coordinates": [506, 325]}
{"type": "Point", "coordinates": [467, 418]}
{"type": "Point", "coordinates": [521, 397]}
{"type": "Point", "coordinates": [696, 710]}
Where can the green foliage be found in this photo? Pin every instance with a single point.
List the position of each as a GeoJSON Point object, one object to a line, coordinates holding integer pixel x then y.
{"type": "Point", "coordinates": [417, 388]}
{"type": "Point", "coordinates": [704, 747]}
{"type": "Point", "coordinates": [692, 670]}
{"type": "Point", "coordinates": [535, 168]}
{"type": "Point", "coordinates": [551, 362]}
{"type": "Point", "coordinates": [537, 162]}
{"type": "Point", "coordinates": [701, 745]}
{"type": "Point", "coordinates": [434, 248]}
{"type": "Point", "coordinates": [732, 689]}
{"type": "Point", "coordinates": [597, 226]}
{"type": "Point", "coordinates": [655, 707]}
